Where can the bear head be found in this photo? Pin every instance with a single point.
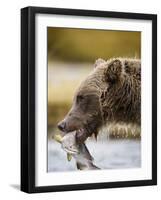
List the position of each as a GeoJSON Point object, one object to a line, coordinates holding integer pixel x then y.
{"type": "Point", "coordinates": [105, 95]}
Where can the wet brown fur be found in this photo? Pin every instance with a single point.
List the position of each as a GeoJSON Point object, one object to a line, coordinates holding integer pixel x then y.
{"type": "Point", "coordinates": [111, 94]}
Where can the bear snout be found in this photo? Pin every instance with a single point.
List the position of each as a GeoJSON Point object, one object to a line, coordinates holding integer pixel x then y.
{"type": "Point", "coordinates": [62, 125]}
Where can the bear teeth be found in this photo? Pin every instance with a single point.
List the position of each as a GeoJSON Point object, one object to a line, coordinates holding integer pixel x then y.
{"type": "Point", "coordinates": [80, 130]}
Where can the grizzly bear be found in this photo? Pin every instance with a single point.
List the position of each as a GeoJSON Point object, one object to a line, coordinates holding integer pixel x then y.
{"type": "Point", "coordinates": [110, 94]}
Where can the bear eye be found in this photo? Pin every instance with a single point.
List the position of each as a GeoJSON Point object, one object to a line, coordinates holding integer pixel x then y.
{"type": "Point", "coordinates": [80, 98]}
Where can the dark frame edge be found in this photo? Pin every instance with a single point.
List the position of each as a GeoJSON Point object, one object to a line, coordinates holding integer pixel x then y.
{"type": "Point", "coordinates": [24, 100]}
{"type": "Point", "coordinates": [154, 99]}
{"type": "Point", "coordinates": [91, 13]}
{"type": "Point", "coordinates": [93, 186]}
{"type": "Point", "coordinates": [27, 177]}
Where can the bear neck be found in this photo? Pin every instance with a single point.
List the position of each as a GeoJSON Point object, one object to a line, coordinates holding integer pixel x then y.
{"type": "Point", "coordinates": [120, 102]}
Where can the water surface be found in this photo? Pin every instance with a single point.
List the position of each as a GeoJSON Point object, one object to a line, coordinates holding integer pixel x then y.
{"type": "Point", "coordinates": [108, 154]}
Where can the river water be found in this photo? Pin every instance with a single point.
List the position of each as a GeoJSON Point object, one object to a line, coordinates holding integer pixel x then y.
{"type": "Point", "coordinates": [107, 154]}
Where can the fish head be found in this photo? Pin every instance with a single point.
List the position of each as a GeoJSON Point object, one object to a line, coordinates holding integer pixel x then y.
{"type": "Point", "coordinates": [69, 143]}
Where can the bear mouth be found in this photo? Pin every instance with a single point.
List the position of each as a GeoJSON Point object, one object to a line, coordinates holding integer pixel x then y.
{"type": "Point", "coordinates": [82, 134]}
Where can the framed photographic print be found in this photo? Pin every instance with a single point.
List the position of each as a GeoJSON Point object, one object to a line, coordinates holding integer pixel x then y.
{"type": "Point", "coordinates": [88, 99]}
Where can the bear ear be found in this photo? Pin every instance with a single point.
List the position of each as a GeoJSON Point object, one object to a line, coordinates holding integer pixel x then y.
{"type": "Point", "coordinates": [113, 71]}
{"type": "Point", "coordinates": [98, 62]}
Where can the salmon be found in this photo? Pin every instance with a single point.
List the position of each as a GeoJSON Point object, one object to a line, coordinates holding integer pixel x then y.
{"type": "Point", "coordinates": [80, 152]}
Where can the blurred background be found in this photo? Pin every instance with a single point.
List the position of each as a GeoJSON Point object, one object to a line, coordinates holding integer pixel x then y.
{"type": "Point", "coordinates": [71, 57]}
